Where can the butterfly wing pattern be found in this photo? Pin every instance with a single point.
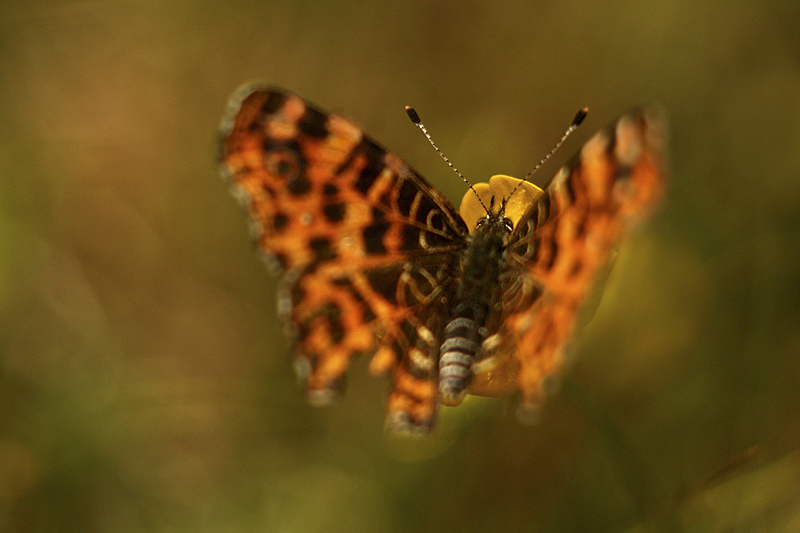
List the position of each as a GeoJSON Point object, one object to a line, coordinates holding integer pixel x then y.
{"type": "Point", "coordinates": [376, 261]}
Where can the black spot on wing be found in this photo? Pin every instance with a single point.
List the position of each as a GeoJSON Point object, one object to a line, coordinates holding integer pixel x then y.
{"type": "Point", "coordinates": [334, 212]}
{"type": "Point", "coordinates": [384, 282]}
{"type": "Point", "coordinates": [374, 166]}
{"type": "Point", "coordinates": [314, 124]}
{"type": "Point", "coordinates": [279, 221]}
{"type": "Point", "coordinates": [323, 250]}
{"type": "Point", "coordinates": [406, 197]}
{"type": "Point", "coordinates": [410, 238]}
{"type": "Point", "coordinates": [273, 102]}
{"type": "Point", "coordinates": [299, 185]}
{"type": "Point", "coordinates": [378, 215]}
{"type": "Point", "coordinates": [373, 237]}
{"type": "Point", "coordinates": [337, 330]}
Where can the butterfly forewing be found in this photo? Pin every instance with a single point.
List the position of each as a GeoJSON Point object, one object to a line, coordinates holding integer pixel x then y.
{"type": "Point", "coordinates": [368, 247]}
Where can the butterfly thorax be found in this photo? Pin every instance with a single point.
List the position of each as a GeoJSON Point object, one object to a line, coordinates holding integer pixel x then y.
{"type": "Point", "coordinates": [482, 263]}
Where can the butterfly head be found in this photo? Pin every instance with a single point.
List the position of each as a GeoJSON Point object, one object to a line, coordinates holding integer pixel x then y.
{"type": "Point", "coordinates": [507, 200]}
{"type": "Point", "coordinates": [495, 216]}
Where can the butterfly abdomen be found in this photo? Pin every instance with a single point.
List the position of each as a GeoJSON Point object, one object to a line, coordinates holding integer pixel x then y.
{"type": "Point", "coordinates": [458, 351]}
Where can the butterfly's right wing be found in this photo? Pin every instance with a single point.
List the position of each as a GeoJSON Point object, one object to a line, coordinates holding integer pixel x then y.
{"type": "Point", "coordinates": [561, 243]}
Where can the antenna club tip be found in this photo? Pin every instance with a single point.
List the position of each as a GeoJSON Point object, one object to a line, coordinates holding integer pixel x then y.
{"type": "Point", "coordinates": [413, 115]}
{"type": "Point", "coordinates": [580, 115]}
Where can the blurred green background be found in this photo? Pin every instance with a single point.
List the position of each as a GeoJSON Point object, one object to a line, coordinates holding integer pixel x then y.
{"type": "Point", "coordinates": [146, 385]}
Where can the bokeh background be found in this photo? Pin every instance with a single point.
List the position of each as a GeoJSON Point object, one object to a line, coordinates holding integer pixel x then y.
{"type": "Point", "coordinates": [146, 385]}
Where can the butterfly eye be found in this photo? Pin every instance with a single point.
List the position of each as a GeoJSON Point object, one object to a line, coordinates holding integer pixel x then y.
{"type": "Point", "coordinates": [481, 222]}
{"type": "Point", "coordinates": [508, 225]}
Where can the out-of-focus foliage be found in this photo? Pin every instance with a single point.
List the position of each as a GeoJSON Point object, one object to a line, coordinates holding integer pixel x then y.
{"type": "Point", "coordinates": [145, 382]}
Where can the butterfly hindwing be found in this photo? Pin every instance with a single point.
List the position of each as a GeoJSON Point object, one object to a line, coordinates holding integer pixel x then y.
{"type": "Point", "coordinates": [367, 246]}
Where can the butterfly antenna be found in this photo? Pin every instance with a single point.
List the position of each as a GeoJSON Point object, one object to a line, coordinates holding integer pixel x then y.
{"type": "Point", "coordinates": [415, 119]}
{"type": "Point", "coordinates": [579, 116]}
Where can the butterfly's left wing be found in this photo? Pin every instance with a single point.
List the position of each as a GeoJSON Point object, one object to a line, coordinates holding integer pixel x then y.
{"type": "Point", "coordinates": [560, 244]}
{"type": "Point", "coordinates": [368, 248]}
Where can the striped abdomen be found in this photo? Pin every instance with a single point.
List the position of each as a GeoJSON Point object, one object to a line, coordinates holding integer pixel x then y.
{"type": "Point", "coordinates": [461, 342]}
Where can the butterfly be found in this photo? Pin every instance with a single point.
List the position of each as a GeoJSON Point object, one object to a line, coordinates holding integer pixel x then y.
{"type": "Point", "coordinates": [376, 261]}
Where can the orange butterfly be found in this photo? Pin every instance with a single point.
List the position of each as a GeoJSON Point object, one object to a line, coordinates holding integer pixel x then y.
{"type": "Point", "coordinates": [376, 261]}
